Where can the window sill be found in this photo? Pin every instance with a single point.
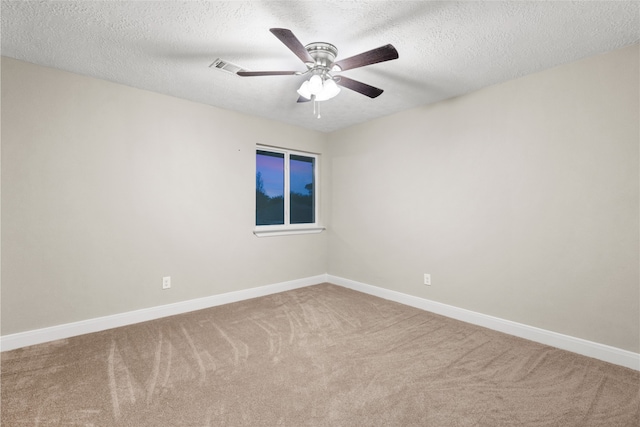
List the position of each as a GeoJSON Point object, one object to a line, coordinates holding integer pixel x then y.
{"type": "Point", "coordinates": [287, 231]}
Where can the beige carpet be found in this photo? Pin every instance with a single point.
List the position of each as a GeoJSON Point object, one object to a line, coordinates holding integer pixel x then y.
{"type": "Point", "coordinates": [317, 356]}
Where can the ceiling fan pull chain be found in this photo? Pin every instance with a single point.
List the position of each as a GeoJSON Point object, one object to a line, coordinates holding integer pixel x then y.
{"type": "Point", "coordinates": [316, 108]}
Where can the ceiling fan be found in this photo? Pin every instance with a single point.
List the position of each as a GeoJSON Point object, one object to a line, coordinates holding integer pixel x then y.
{"type": "Point", "coordinates": [320, 59]}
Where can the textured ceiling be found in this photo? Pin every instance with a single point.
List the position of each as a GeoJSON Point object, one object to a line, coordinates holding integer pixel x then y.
{"type": "Point", "coordinates": [446, 48]}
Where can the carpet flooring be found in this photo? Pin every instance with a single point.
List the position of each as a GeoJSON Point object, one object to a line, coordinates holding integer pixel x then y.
{"type": "Point", "coordinates": [316, 356]}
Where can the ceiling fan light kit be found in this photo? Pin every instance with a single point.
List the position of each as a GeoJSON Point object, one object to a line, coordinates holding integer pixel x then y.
{"type": "Point", "coordinates": [320, 59]}
{"type": "Point", "coordinates": [318, 88]}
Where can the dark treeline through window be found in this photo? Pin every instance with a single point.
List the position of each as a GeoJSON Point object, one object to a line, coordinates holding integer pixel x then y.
{"type": "Point", "coordinates": [275, 173]}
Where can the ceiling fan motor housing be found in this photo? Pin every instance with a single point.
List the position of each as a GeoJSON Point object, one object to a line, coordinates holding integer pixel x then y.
{"type": "Point", "coordinates": [324, 54]}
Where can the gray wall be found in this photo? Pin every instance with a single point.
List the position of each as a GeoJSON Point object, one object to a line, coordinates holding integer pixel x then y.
{"type": "Point", "coordinates": [106, 189]}
{"type": "Point", "coordinates": [521, 200]}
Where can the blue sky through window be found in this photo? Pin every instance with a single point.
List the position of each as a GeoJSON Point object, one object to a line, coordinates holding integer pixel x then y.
{"type": "Point", "coordinates": [301, 175]}
{"type": "Point", "coordinates": [271, 169]}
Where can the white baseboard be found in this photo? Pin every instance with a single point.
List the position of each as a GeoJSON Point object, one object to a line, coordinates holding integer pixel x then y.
{"type": "Point", "coordinates": [39, 336]}
{"type": "Point", "coordinates": [577, 345]}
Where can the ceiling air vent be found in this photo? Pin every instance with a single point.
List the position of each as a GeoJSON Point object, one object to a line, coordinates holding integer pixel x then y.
{"type": "Point", "coordinates": [225, 66]}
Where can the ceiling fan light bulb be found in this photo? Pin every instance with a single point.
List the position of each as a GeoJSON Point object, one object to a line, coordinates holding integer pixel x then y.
{"type": "Point", "coordinates": [304, 90]}
{"type": "Point", "coordinates": [329, 90]}
{"type": "Point", "coordinates": [315, 84]}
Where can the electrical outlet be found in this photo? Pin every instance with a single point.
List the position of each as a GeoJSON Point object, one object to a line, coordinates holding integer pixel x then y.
{"type": "Point", "coordinates": [166, 282]}
{"type": "Point", "coordinates": [427, 279]}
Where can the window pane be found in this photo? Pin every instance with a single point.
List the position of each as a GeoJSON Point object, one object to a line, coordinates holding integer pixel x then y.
{"type": "Point", "coordinates": [269, 188]}
{"type": "Point", "coordinates": [302, 186]}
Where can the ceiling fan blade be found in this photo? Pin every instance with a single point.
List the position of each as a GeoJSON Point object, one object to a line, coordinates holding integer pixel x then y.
{"type": "Point", "coordinates": [359, 87]}
{"type": "Point", "coordinates": [303, 99]}
{"type": "Point", "coordinates": [373, 56]}
{"type": "Point", "coordinates": [265, 73]}
{"type": "Point", "coordinates": [292, 42]}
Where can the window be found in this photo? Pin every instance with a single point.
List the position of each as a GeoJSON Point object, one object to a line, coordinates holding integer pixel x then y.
{"type": "Point", "coordinates": [286, 192]}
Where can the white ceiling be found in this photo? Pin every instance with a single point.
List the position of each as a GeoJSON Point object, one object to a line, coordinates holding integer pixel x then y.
{"type": "Point", "coordinates": [446, 48]}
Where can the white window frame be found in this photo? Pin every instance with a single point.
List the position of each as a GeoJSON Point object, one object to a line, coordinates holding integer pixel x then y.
{"type": "Point", "coordinates": [287, 228]}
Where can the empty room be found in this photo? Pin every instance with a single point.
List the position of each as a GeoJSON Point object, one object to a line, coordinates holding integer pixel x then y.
{"type": "Point", "coordinates": [320, 213]}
